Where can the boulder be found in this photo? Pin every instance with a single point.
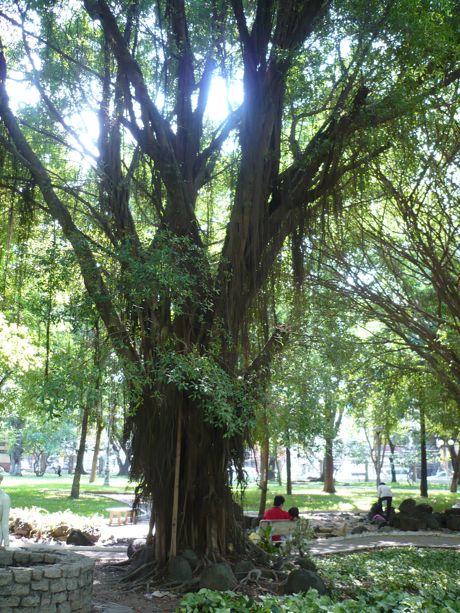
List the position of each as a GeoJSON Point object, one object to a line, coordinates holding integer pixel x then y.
{"type": "Point", "coordinates": [60, 532]}
{"type": "Point", "coordinates": [408, 506]}
{"type": "Point", "coordinates": [424, 508]}
{"type": "Point", "coordinates": [191, 558]}
{"type": "Point", "coordinates": [179, 569]}
{"type": "Point", "coordinates": [77, 537]}
{"type": "Point", "coordinates": [218, 577]}
{"type": "Point", "coordinates": [306, 564]}
{"type": "Point", "coordinates": [22, 528]}
{"type": "Point", "coordinates": [302, 580]}
{"type": "Point", "coordinates": [453, 521]}
{"type": "Point", "coordinates": [432, 523]}
{"type": "Point", "coordinates": [410, 523]}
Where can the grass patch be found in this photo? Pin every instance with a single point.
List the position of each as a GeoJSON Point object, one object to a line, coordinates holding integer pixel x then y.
{"type": "Point", "coordinates": [52, 493]}
{"type": "Point", "coordinates": [356, 497]}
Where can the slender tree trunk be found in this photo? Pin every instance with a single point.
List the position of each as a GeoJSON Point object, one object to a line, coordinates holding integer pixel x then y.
{"type": "Point", "coordinates": [75, 492]}
{"type": "Point", "coordinates": [288, 472]}
{"type": "Point", "coordinates": [278, 469]}
{"type": "Point", "coordinates": [264, 457]}
{"type": "Point", "coordinates": [329, 467]}
{"type": "Point", "coordinates": [423, 458]}
{"type": "Point", "coordinates": [455, 459]}
{"type": "Point", "coordinates": [97, 448]}
{"type": "Point", "coordinates": [392, 460]}
{"type": "Point", "coordinates": [366, 471]}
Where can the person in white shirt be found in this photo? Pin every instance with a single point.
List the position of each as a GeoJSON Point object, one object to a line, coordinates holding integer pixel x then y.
{"type": "Point", "coordinates": [385, 495]}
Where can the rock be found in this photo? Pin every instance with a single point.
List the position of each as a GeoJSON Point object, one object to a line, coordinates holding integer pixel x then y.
{"type": "Point", "coordinates": [424, 508]}
{"type": "Point", "coordinates": [359, 530]}
{"type": "Point", "coordinates": [302, 580]}
{"type": "Point", "coordinates": [22, 528]}
{"type": "Point", "coordinates": [306, 564]}
{"type": "Point", "coordinates": [440, 518]}
{"type": "Point", "coordinates": [432, 523]}
{"type": "Point", "coordinates": [218, 577]}
{"type": "Point", "coordinates": [179, 569]}
{"type": "Point", "coordinates": [76, 537]}
{"type": "Point", "coordinates": [191, 558]}
{"type": "Point", "coordinates": [412, 524]}
{"type": "Point", "coordinates": [453, 522]}
{"type": "Point", "coordinates": [242, 568]}
{"type": "Point", "coordinates": [60, 532]}
{"type": "Point", "coordinates": [408, 506]}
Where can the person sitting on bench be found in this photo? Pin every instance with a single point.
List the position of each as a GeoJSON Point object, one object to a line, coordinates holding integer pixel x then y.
{"type": "Point", "coordinates": [277, 512]}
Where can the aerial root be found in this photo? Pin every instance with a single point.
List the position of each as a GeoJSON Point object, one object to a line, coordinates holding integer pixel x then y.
{"type": "Point", "coordinates": [139, 570]}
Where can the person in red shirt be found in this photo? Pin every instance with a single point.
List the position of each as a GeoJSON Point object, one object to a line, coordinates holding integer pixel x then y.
{"type": "Point", "coordinates": [277, 512]}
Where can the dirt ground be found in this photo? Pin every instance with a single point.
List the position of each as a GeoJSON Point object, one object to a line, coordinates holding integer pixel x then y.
{"type": "Point", "coordinates": [108, 591]}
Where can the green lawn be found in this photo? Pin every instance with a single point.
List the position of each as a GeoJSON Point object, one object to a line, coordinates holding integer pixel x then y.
{"type": "Point", "coordinates": [52, 493]}
{"type": "Point", "coordinates": [356, 497]}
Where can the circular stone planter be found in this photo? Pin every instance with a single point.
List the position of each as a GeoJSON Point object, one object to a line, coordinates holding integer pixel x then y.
{"type": "Point", "coordinates": [45, 580]}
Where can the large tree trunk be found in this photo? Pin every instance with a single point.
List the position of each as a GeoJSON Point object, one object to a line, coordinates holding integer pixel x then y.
{"type": "Point", "coordinates": [75, 491]}
{"type": "Point", "coordinates": [329, 486]}
{"type": "Point", "coordinates": [201, 486]}
{"type": "Point", "coordinates": [423, 458]}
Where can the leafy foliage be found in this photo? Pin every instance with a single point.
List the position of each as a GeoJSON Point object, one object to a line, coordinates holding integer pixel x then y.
{"type": "Point", "coordinates": [388, 581]}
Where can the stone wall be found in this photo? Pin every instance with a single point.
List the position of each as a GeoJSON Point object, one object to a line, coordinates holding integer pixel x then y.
{"type": "Point", "coordinates": [45, 580]}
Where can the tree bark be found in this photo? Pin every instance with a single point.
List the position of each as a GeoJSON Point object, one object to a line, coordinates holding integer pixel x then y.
{"type": "Point", "coordinates": [288, 472]}
{"type": "Point", "coordinates": [423, 456]}
{"type": "Point", "coordinates": [264, 458]}
{"type": "Point", "coordinates": [329, 486]}
{"type": "Point", "coordinates": [392, 460]}
{"type": "Point", "coordinates": [455, 459]}
{"type": "Point", "coordinates": [97, 448]}
{"type": "Point", "coordinates": [75, 491]}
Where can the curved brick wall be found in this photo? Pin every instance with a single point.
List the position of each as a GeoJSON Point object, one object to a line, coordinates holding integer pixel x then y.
{"type": "Point", "coordinates": [45, 580]}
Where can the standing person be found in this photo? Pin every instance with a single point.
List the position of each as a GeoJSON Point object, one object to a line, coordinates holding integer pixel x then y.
{"type": "Point", "coordinates": [58, 470]}
{"type": "Point", "coordinates": [385, 495]}
{"type": "Point", "coordinates": [4, 518]}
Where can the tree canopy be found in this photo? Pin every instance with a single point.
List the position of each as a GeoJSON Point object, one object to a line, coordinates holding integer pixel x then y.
{"type": "Point", "coordinates": [177, 222]}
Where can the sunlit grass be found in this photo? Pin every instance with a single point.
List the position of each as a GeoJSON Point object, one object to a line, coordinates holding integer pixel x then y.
{"type": "Point", "coordinates": [356, 497]}
{"type": "Point", "coordinates": [52, 493]}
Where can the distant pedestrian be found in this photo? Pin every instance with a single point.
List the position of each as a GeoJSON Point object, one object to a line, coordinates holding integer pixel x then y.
{"type": "Point", "coordinates": [385, 495]}
{"type": "Point", "coordinates": [58, 470]}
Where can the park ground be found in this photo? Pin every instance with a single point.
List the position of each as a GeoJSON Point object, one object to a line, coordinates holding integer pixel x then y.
{"type": "Point", "coordinates": [51, 494]}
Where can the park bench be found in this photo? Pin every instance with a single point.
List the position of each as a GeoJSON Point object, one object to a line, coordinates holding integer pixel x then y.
{"type": "Point", "coordinates": [279, 527]}
{"type": "Point", "coordinates": [122, 513]}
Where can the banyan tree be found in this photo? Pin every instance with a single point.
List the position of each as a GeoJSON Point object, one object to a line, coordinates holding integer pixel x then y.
{"type": "Point", "coordinates": [185, 148]}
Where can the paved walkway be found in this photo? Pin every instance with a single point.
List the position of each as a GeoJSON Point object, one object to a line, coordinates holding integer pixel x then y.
{"type": "Point", "coordinates": [388, 539]}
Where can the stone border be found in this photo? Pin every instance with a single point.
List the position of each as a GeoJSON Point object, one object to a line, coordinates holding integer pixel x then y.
{"type": "Point", "coordinates": [47, 580]}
